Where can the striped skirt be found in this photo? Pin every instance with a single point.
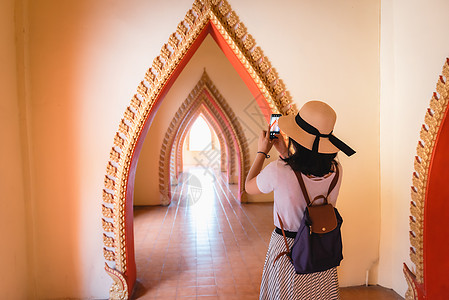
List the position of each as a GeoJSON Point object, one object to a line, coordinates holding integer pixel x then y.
{"type": "Point", "coordinates": [280, 281]}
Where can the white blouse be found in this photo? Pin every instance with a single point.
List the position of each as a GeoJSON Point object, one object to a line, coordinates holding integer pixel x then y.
{"type": "Point", "coordinates": [289, 201]}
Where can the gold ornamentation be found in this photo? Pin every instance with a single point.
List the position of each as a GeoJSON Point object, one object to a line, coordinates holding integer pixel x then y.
{"type": "Point", "coordinates": [173, 41]}
{"type": "Point", "coordinates": [234, 32]}
{"type": "Point", "coordinates": [256, 55]}
{"type": "Point", "coordinates": [271, 76]}
{"type": "Point", "coordinates": [264, 66]}
{"type": "Point", "coordinates": [412, 292]}
{"type": "Point", "coordinates": [118, 140]}
{"type": "Point", "coordinates": [165, 52]}
{"type": "Point", "coordinates": [107, 226]}
{"type": "Point", "coordinates": [108, 241]}
{"type": "Point", "coordinates": [111, 170]}
{"type": "Point", "coordinates": [129, 116]}
{"type": "Point", "coordinates": [279, 87]}
{"type": "Point", "coordinates": [249, 42]}
{"type": "Point", "coordinates": [232, 20]}
{"type": "Point", "coordinates": [107, 212]}
{"type": "Point", "coordinates": [240, 31]}
{"type": "Point", "coordinates": [197, 6]}
{"type": "Point", "coordinates": [157, 64]}
{"type": "Point", "coordinates": [135, 102]}
{"type": "Point", "coordinates": [428, 134]}
{"type": "Point", "coordinates": [190, 18]}
{"type": "Point", "coordinates": [114, 155]}
{"type": "Point", "coordinates": [123, 127]}
{"type": "Point", "coordinates": [107, 197]}
{"type": "Point", "coordinates": [182, 29]}
{"type": "Point", "coordinates": [108, 255]}
{"type": "Point", "coordinates": [142, 89]}
{"type": "Point", "coordinates": [149, 77]}
{"type": "Point", "coordinates": [109, 183]}
{"type": "Point", "coordinates": [119, 289]}
{"type": "Point", "coordinates": [224, 8]}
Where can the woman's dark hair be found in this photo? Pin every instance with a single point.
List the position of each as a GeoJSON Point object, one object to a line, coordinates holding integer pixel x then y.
{"type": "Point", "coordinates": [309, 162]}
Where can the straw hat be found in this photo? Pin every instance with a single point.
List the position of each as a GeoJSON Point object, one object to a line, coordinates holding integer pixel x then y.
{"type": "Point", "coordinates": [313, 128]}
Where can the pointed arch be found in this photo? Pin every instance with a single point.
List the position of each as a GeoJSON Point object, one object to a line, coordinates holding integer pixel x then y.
{"type": "Point", "coordinates": [173, 147]}
{"type": "Point", "coordinates": [214, 17]}
{"type": "Point", "coordinates": [225, 147]}
{"type": "Point", "coordinates": [225, 150]}
{"type": "Point", "coordinates": [176, 161]}
{"type": "Point", "coordinates": [428, 221]}
{"type": "Point", "coordinates": [204, 95]}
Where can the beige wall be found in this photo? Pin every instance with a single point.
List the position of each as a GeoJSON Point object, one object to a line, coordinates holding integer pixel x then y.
{"type": "Point", "coordinates": [86, 59]}
{"type": "Point", "coordinates": [13, 250]}
{"type": "Point", "coordinates": [414, 46]}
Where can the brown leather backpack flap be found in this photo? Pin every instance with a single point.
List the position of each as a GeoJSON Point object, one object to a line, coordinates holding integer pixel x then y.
{"type": "Point", "coordinates": [323, 218]}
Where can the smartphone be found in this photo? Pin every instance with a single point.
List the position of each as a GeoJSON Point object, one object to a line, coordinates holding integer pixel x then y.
{"type": "Point", "coordinates": [274, 126]}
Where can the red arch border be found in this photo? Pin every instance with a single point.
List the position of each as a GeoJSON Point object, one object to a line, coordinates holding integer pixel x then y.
{"type": "Point", "coordinates": [436, 218]}
{"type": "Point", "coordinates": [209, 28]}
{"type": "Point", "coordinates": [429, 223]}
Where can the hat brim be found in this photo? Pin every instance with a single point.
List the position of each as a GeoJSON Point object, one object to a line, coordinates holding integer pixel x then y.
{"type": "Point", "coordinates": [289, 126]}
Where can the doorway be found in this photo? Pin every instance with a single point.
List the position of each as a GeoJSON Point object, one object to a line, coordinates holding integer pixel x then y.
{"type": "Point", "coordinates": [218, 20]}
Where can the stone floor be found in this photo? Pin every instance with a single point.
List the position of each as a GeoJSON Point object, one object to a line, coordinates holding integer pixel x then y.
{"type": "Point", "coordinates": [368, 293]}
{"type": "Point", "coordinates": [206, 245]}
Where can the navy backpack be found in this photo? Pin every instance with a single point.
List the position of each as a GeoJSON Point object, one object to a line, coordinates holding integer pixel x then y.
{"type": "Point", "coordinates": [318, 246]}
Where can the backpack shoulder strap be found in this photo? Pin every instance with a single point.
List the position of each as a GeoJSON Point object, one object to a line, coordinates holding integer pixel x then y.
{"type": "Point", "coordinates": [285, 241]}
{"type": "Point", "coordinates": [304, 190]}
{"type": "Point", "coordinates": [303, 187]}
{"type": "Point", "coordinates": [334, 181]}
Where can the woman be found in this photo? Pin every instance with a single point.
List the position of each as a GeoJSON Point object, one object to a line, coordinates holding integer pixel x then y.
{"type": "Point", "coordinates": [315, 149]}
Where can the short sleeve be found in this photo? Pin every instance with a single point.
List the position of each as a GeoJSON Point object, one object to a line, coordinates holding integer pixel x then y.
{"type": "Point", "coordinates": [266, 178]}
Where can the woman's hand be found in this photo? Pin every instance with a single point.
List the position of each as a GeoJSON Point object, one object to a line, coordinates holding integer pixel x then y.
{"type": "Point", "coordinates": [280, 145]}
{"type": "Point", "coordinates": [265, 143]}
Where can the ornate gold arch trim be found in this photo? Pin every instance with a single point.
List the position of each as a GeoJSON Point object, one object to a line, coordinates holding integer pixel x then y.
{"type": "Point", "coordinates": [424, 150]}
{"type": "Point", "coordinates": [117, 196]}
{"type": "Point", "coordinates": [203, 94]}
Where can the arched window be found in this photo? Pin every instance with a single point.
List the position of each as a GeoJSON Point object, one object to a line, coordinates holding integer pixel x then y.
{"type": "Point", "coordinates": [200, 136]}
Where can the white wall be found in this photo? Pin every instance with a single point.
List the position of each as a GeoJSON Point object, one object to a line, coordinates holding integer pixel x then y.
{"type": "Point", "coordinates": [86, 60]}
{"type": "Point", "coordinates": [13, 250]}
{"type": "Point", "coordinates": [414, 46]}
